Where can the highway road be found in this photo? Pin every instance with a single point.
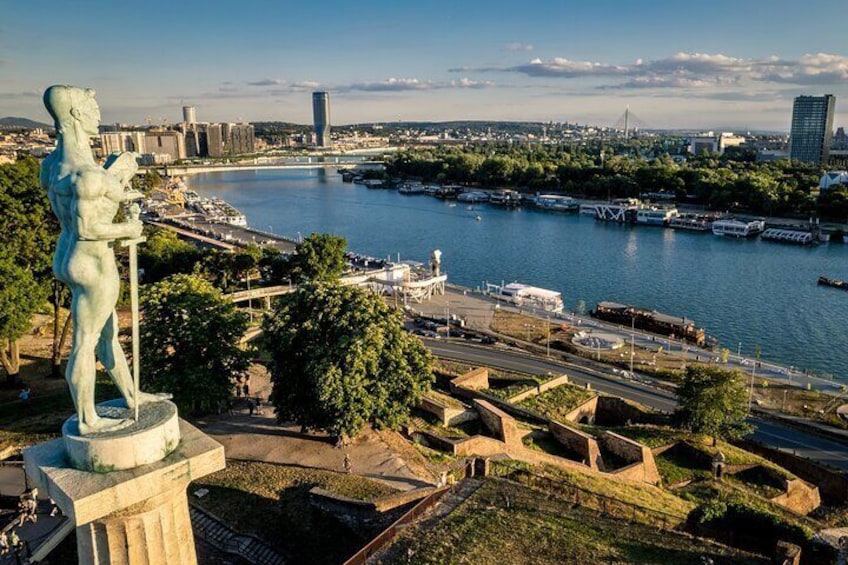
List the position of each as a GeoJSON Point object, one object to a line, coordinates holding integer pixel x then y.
{"type": "Point", "coordinates": [770, 433]}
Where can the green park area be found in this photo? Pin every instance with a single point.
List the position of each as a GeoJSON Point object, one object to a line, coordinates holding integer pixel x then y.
{"type": "Point", "coordinates": [509, 524]}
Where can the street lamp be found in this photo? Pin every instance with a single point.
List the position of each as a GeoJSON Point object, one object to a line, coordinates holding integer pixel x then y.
{"type": "Point", "coordinates": [548, 338]}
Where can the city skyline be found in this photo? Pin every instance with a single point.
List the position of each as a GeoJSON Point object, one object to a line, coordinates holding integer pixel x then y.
{"type": "Point", "coordinates": [675, 66]}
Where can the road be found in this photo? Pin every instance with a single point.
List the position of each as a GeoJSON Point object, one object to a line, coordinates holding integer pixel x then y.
{"type": "Point", "coordinates": [770, 433]}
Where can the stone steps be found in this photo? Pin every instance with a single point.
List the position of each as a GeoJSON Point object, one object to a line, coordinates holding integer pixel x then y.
{"type": "Point", "coordinates": [250, 548]}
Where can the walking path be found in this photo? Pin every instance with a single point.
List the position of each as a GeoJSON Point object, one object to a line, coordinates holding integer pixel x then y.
{"type": "Point", "coordinates": [260, 438]}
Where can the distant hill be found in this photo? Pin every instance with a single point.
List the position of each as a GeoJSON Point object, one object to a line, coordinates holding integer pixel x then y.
{"type": "Point", "coordinates": [22, 123]}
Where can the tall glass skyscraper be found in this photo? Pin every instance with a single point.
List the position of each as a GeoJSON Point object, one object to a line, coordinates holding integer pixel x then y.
{"type": "Point", "coordinates": [812, 128]}
{"type": "Point", "coordinates": [321, 118]}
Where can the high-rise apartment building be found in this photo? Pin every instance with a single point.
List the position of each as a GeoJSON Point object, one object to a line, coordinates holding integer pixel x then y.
{"type": "Point", "coordinates": [321, 118]}
{"type": "Point", "coordinates": [812, 128]}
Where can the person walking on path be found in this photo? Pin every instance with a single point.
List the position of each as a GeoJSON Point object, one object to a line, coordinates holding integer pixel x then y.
{"type": "Point", "coordinates": [347, 464]}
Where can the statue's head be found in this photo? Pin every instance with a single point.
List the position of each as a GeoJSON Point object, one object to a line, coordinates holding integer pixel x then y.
{"type": "Point", "coordinates": [69, 105]}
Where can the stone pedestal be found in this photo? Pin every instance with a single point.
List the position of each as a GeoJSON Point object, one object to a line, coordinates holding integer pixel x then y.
{"type": "Point", "coordinates": [134, 517]}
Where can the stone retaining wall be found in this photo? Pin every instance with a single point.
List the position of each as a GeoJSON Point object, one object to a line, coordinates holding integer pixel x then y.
{"type": "Point", "coordinates": [501, 424]}
{"type": "Point", "coordinates": [642, 467]}
{"type": "Point", "coordinates": [447, 415]}
{"type": "Point", "coordinates": [546, 386]}
{"type": "Point", "coordinates": [475, 379]}
{"type": "Point", "coordinates": [585, 413]}
{"type": "Point", "coordinates": [581, 444]}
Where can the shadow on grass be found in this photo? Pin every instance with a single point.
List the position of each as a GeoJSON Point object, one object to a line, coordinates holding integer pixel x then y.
{"type": "Point", "coordinates": [289, 524]}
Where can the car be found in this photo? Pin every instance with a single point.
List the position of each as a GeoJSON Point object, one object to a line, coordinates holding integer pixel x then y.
{"type": "Point", "coordinates": [488, 340]}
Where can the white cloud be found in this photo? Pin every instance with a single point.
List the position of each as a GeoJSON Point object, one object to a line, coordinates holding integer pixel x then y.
{"type": "Point", "coordinates": [517, 46]}
{"type": "Point", "coordinates": [690, 70]}
{"type": "Point", "coordinates": [412, 84]}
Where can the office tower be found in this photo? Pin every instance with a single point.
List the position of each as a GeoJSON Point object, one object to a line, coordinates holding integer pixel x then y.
{"type": "Point", "coordinates": [812, 128]}
{"type": "Point", "coordinates": [321, 118]}
{"type": "Point", "coordinates": [189, 115]}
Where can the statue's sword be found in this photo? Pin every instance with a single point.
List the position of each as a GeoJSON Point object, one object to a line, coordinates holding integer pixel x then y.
{"type": "Point", "coordinates": [132, 244]}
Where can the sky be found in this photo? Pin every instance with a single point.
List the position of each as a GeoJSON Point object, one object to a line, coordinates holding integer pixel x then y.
{"type": "Point", "coordinates": [721, 65]}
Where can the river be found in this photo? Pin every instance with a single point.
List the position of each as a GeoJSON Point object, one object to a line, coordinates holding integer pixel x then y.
{"type": "Point", "coordinates": [757, 293]}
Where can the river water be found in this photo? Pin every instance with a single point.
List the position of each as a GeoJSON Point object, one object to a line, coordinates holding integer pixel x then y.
{"type": "Point", "coordinates": [742, 291]}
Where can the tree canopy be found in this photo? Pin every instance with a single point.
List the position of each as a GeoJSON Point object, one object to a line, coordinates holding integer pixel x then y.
{"type": "Point", "coordinates": [340, 359]}
{"type": "Point", "coordinates": [713, 401]}
{"type": "Point", "coordinates": [190, 342]}
{"type": "Point", "coordinates": [319, 257]}
{"type": "Point", "coordinates": [29, 230]}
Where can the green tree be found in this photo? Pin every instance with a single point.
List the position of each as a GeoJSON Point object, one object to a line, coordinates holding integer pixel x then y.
{"type": "Point", "coordinates": [29, 230]}
{"type": "Point", "coordinates": [164, 254]}
{"type": "Point", "coordinates": [20, 296]}
{"type": "Point", "coordinates": [340, 359]}
{"type": "Point", "coordinates": [713, 401]}
{"type": "Point", "coordinates": [190, 338]}
{"type": "Point", "coordinates": [319, 257]}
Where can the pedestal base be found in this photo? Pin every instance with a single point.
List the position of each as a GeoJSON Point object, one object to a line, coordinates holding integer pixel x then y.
{"type": "Point", "coordinates": [134, 517]}
{"type": "Point", "coordinates": [150, 439]}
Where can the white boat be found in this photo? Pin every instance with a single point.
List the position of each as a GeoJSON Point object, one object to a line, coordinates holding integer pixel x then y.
{"type": "Point", "coordinates": [693, 222]}
{"type": "Point", "coordinates": [473, 197]}
{"type": "Point", "coordinates": [556, 202]}
{"type": "Point", "coordinates": [507, 198]}
{"type": "Point", "coordinates": [738, 228]}
{"type": "Point", "coordinates": [411, 188]}
{"type": "Point", "coordinates": [655, 216]}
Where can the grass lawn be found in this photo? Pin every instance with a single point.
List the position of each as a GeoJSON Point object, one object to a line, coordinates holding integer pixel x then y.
{"type": "Point", "coordinates": [641, 494]}
{"type": "Point", "coordinates": [556, 403]}
{"type": "Point", "coordinates": [49, 406]}
{"type": "Point", "coordinates": [272, 501]}
{"type": "Point", "coordinates": [508, 524]}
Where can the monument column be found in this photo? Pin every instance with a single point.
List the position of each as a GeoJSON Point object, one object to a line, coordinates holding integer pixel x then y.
{"type": "Point", "coordinates": [136, 516]}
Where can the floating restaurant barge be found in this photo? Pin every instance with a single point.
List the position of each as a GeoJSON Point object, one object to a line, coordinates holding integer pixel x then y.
{"type": "Point", "coordinates": [650, 320]}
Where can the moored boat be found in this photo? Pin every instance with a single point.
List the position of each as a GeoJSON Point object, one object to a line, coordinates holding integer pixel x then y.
{"type": "Point", "coordinates": [693, 222]}
{"type": "Point", "coordinates": [654, 216]}
{"type": "Point", "coordinates": [556, 202]}
{"type": "Point", "coordinates": [473, 197]}
{"type": "Point", "coordinates": [738, 228]}
{"type": "Point", "coordinates": [798, 237]}
{"type": "Point", "coordinates": [505, 198]}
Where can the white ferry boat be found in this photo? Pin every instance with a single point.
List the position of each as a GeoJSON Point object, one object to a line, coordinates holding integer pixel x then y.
{"type": "Point", "coordinates": [556, 202]}
{"type": "Point", "coordinates": [473, 197]}
{"type": "Point", "coordinates": [588, 210]}
{"type": "Point", "coordinates": [655, 216]}
{"type": "Point", "coordinates": [738, 228]}
{"type": "Point", "coordinates": [621, 210]}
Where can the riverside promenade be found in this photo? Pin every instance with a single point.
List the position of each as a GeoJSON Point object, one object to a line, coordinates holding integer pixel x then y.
{"type": "Point", "coordinates": [477, 310]}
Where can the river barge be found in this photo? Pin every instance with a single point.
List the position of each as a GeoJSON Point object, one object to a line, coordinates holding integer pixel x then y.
{"type": "Point", "coordinates": [675, 327]}
{"type": "Point", "coordinates": [835, 283]}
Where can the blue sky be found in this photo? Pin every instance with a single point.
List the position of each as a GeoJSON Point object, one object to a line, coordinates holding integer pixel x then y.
{"type": "Point", "coordinates": [719, 65]}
